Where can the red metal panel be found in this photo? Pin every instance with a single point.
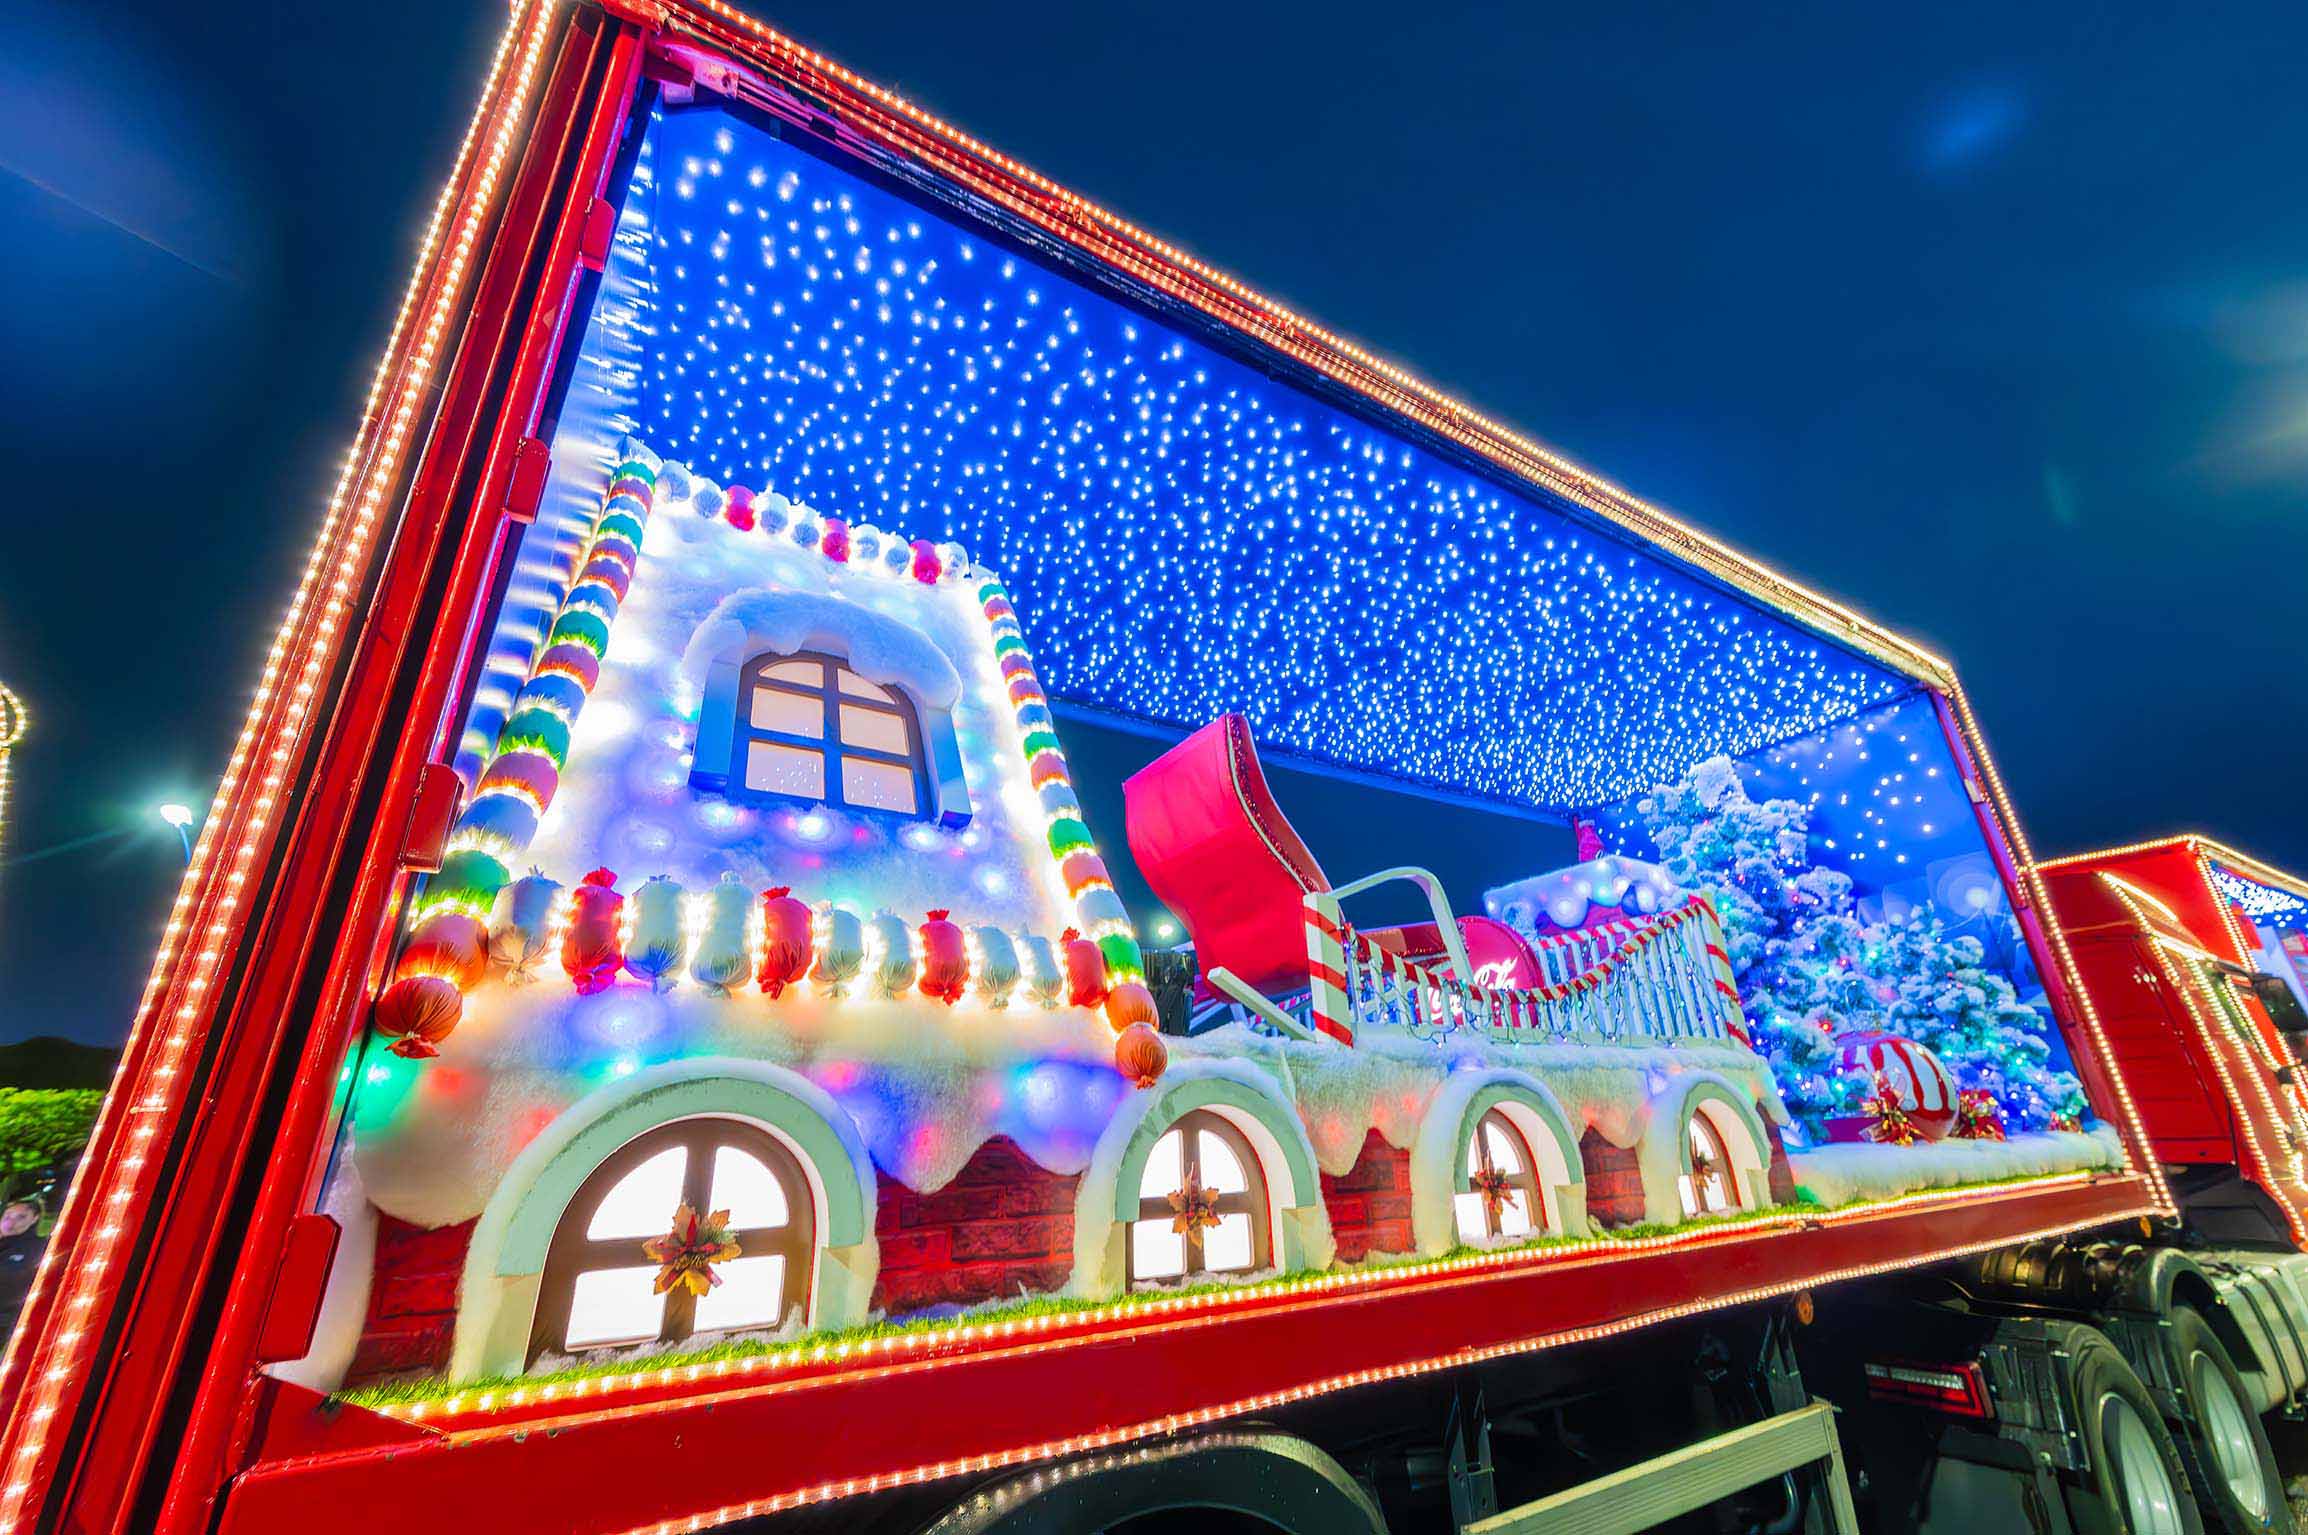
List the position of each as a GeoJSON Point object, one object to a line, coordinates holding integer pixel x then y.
{"type": "Point", "coordinates": [713, 1456]}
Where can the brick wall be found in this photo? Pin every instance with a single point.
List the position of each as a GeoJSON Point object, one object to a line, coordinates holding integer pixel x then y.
{"type": "Point", "coordinates": [1002, 1226]}
{"type": "Point", "coordinates": [1614, 1181]}
{"type": "Point", "coordinates": [1369, 1204]}
{"type": "Point", "coordinates": [412, 1299]}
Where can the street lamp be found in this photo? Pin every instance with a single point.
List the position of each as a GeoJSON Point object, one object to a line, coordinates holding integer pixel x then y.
{"type": "Point", "coordinates": [180, 817]}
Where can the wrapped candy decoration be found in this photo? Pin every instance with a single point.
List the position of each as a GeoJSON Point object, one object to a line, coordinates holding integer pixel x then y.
{"type": "Point", "coordinates": [450, 944]}
{"type": "Point", "coordinates": [1123, 956]}
{"type": "Point", "coordinates": [706, 497]}
{"type": "Point", "coordinates": [1085, 970]}
{"type": "Point", "coordinates": [927, 567]}
{"type": "Point", "coordinates": [945, 959]}
{"type": "Point", "coordinates": [897, 556]}
{"type": "Point", "coordinates": [607, 570]}
{"type": "Point", "coordinates": [893, 945]}
{"type": "Point", "coordinates": [1082, 868]}
{"type": "Point", "coordinates": [673, 483]}
{"type": "Point", "coordinates": [1045, 981]}
{"type": "Point", "coordinates": [537, 730]}
{"type": "Point", "coordinates": [527, 775]}
{"type": "Point", "coordinates": [954, 560]}
{"type": "Point", "coordinates": [557, 691]}
{"type": "Point", "coordinates": [1908, 1073]}
{"type": "Point", "coordinates": [469, 879]}
{"type": "Point", "coordinates": [841, 953]}
{"type": "Point", "coordinates": [865, 543]}
{"type": "Point", "coordinates": [590, 950]}
{"type": "Point", "coordinates": [1046, 769]}
{"type": "Point", "coordinates": [997, 965]}
{"type": "Point", "coordinates": [739, 510]}
{"type": "Point", "coordinates": [660, 938]}
{"type": "Point", "coordinates": [501, 822]}
{"type": "Point", "coordinates": [785, 940]}
{"type": "Point", "coordinates": [417, 1012]}
{"type": "Point", "coordinates": [1100, 904]}
{"type": "Point", "coordinates": [518, 928]}
{"type": "Point", "coordinates": [806, 528]}
{"type": "Point", "coordinates": [1131, 1004]}
{"type": "Point", "coordinates": [1140, 1055]}
{"type": "Point", "coordinates": [775, 512]}
{"type": "Point", "coordinates": [575, 662]}
{"type": "Point", "coordinates": [834, 544]}
{"type": "Point", "coordinates": [721, 960]}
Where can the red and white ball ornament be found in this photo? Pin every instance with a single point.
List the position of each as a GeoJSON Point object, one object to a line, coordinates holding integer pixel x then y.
{"type": "Point", "coordinates": [1917, 1081]}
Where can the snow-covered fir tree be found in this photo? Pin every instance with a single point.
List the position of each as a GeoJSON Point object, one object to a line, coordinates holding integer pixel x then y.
{"type": "Point", "coordinates": [1811, 969]}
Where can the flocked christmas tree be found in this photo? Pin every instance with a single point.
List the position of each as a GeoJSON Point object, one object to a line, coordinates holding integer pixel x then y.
{"type": "Point", "coordinates": [1811, 968]}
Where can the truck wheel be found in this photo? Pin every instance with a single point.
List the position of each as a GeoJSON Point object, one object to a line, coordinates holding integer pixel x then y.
{"type": "Point", "coordinates": [2226, 1450]}
{"type": "Point", "coordinates": [1245, 1479]}
{"type": "Point", "coordinates": [2133, 1481]}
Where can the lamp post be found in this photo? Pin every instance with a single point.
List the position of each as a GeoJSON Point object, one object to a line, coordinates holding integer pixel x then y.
{"type": "Point", "coordinates": [180, 817]}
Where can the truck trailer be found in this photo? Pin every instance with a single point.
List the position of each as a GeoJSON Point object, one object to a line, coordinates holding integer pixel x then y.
{"type": "Point", "coordinates": [749, 966]}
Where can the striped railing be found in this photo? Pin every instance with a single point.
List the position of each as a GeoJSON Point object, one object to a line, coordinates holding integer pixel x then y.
{"type": "Point", "coordinates": [1663, 977]}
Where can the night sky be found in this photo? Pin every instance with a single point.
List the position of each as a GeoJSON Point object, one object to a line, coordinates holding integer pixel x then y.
{"type": "Point", "coordinates": [1991, 322]}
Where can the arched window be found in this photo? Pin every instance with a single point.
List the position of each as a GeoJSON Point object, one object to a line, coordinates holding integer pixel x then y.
{"type": "Point", "coordinates": [1201, 1204]}
{"type": "Point", "coordinates": [1710, 1183]}
{"type": "Point", "coordinates": [599, 1286]}
{"type": "Point", "coordinates": [809, 728]}
{"type": "Point", "coordinates": [1501, 1197]}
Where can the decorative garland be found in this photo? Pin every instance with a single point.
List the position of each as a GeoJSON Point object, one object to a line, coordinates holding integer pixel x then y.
{"type": "Point", "coordinates": [1643, 932]}
{"type": "Point", "coordinates": [450, 945]}
{"type": "Point", "coordinates": [447, 952]}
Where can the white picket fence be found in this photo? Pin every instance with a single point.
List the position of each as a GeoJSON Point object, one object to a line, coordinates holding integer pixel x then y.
{"type": "Point", "coordinates": [1663, 977]}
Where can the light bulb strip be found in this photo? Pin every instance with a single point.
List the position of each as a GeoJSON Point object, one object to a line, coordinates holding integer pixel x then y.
{"type": "Point", "coordinates": [890, 119]}
{"type": "Point", "coordinates": [499, 1403]}
{"type": "Point", "coordinates": [209, 909]}
{"type": "Point", "coordinates": [2138, 1148]}
{"type": "Point", "coordinates": [2182, 984]}
{"type": "Point", "coordinates": [1236, 1407]}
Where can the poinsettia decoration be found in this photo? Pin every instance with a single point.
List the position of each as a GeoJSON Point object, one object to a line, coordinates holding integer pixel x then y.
{"type": "Point", "coordinates": [688, 1252]}
{"type": "Point", "coordinates": [1196, 1207]}
{"type": "Point", "coordinates": [2067, 1122]}
{"type": "Point", "coordinates": [1703, 1173]}
{"type": "Point", "coordinates": [1892, 1127]}
{"type": "Point", "coordinates": [1978, 1117]}
{"type": "Point", "coordinates": [1495, 1187]}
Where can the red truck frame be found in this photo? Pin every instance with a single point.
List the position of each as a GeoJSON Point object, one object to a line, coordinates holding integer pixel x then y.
{"type": "Point", "coordinates": [186, 1257]}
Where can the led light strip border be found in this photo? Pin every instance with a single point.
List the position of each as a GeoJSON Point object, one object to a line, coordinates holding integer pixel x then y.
{"type": "Point", "coordinates": [15, 719]}
{"type": "Point", "coordinates": [1172, 1423]}
{"type": "Point", "coordinates": [1088, 1323]}
{"type": "Point", "coordinates": [2138, 1149]}
{"type": "Point", "coordinates": [307, 639]}
{"type": "Point", "coordinates": [2184, 987]}
{"type": "Point", "coordinates": [1279, 327]}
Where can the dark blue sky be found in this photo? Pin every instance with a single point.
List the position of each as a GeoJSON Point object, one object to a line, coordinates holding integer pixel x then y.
{"type": "Point", "coordinates": [1992, 322]}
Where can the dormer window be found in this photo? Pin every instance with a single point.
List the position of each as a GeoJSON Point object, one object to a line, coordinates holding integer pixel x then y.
{"type": "Point", "coordinates": [805, 699]}
{"type": "Point", "coordinates": [814, 730]}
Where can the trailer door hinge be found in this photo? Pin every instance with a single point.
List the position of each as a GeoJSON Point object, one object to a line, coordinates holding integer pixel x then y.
{"type": "Point", "coordinates": [525, 486]}
{"type": "Point", "coordinates": [426, 840]}
{"type": "Point", "coordinates": [600, 229]}
{"type": "Point", "coordinates": [298, 1289]}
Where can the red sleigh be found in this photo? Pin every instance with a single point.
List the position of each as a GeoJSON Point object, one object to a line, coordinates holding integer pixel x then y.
{"type": "Point", "coordinates": [1219, 852]}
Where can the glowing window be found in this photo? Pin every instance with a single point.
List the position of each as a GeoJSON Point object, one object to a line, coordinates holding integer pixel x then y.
{"type": "Point", "coordinates": [1500, 1197]}
{"type": "Point", "coordinates": [809, 728]}
{"type": "Point", "coordinates": [1709, 1183]}
{"type": "Point", "coordinates": [1202, 1176]}
{"type": "Point", "coordinates": [599, 1289]}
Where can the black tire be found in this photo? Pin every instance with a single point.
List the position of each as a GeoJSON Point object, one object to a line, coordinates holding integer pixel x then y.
{"type": "Point", "coordinates": [2222, 1442]}
{"type": "Point", "coordinates": [1215, 1481]}
{"type": "Point", "coordinates": [2134, 1481]}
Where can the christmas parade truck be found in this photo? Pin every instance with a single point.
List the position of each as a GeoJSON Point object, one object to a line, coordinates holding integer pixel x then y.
{"type": "Point", "coordinates": [749, 966]}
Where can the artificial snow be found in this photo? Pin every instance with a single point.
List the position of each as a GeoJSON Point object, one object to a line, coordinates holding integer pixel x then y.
{"type": "Point", "coordinates": [1843, 1174]}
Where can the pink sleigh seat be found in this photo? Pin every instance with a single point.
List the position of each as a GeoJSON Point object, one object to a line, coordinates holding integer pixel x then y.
{"type": "Point", "coordinates": [1215, 847]}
